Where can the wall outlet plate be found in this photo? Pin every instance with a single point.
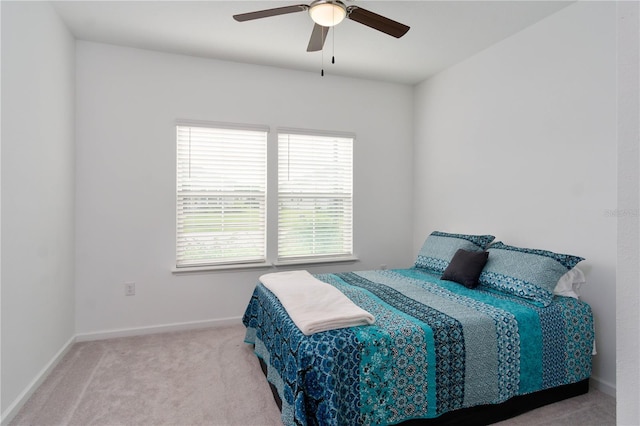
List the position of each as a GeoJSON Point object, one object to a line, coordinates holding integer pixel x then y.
{"type": "Point", "coordinates": [130, 289]}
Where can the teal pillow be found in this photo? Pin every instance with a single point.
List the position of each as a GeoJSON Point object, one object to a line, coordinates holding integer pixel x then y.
{"type": "Point", "coordinates": [440, 247]}
{"type": "Point", "coordinates": [531, 274]}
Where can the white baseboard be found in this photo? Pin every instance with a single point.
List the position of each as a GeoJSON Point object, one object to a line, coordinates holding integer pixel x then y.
{"type": "Point", "coordinates": [602, 386]}
{"type": "Point", "coordinates": [24, 396]}
{"type": "Point", "coordinates": [139, 331]}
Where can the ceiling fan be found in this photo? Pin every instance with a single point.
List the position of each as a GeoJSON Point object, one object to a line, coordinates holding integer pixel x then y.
{"type": "Point", "coordinates": [328, 13]}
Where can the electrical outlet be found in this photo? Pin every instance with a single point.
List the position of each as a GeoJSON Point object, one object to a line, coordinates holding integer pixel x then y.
{"type": "Point", "coordinates": [130, 289]}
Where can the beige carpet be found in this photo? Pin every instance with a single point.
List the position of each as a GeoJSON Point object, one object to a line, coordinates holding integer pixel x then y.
{"type": "Point", "coordinates": [200, 377]}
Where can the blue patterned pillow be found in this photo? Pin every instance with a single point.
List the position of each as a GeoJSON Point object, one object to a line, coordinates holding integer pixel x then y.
{"type": "Point", "coordinates": [440, 247]}
{"type": "Point", "coordinates": [528, 273]}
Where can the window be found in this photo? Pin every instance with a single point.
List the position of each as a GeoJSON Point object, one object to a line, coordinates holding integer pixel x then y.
{"type": "Point", "coordinates": [222, 205]}
{"type": "Point", "coordinates": [221, 195]}
{"type": "Point", "coordinates": [315, 196]}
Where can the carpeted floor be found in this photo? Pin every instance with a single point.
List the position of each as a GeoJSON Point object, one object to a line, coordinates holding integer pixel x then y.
{"type": "Point", "coordinates": [200, 377]}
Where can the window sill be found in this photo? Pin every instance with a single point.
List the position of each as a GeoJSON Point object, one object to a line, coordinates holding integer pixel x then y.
{"type": "Point", "coordinates": [219, 268]}
{"type": "Point", "coordinates": [261, 265]}
{"type": "Point", "coordinates": [321, 260]}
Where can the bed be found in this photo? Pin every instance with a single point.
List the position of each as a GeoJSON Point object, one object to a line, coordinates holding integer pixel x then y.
{"type": "Point", "coordinates": [439, 351]}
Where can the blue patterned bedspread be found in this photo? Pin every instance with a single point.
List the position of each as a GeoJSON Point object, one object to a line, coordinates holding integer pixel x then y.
{"type": "Point", "coordinates": [436, 346]}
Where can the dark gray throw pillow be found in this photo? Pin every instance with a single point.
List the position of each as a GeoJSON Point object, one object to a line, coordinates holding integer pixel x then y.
{"type": "Point", "coordinates": [465, 267]}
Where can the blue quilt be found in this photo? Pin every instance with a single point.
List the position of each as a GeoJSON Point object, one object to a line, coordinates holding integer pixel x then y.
{"type": "Point", "coordinates": [436, 346]}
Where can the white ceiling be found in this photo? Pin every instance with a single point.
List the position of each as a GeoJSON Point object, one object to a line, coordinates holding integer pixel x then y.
{"type": "Point", "coordinates": [442, 33]}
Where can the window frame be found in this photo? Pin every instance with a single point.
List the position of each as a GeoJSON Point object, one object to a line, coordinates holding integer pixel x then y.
{"type": "Point", "coordinates": [224, 262]}
{"type": "Point", "coordinates": [271, 258]}
{"type": "Point", "coordinates": [321, 137]}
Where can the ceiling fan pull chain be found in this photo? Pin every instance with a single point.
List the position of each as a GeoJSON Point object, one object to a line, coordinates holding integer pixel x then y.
{"type": "Point", "coordinates": [322, 56]}
{"type": "Point", "coordinates": [333, 46]}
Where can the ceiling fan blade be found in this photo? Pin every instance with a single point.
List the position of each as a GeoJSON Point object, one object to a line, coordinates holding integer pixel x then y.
{"type": "Point", "coordinates": [377, 22]}
{"type": "Point", "coordinates": [270, 12]}
{"type": "Point", "coordinates": [318, 36]}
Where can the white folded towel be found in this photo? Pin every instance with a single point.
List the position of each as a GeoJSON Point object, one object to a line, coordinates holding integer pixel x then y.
{"type": "Point", "coordinates": [313, 305]}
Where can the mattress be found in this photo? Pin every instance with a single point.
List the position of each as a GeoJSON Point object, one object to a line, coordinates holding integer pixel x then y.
{"type": "Point", "coordinates": [435, 347]}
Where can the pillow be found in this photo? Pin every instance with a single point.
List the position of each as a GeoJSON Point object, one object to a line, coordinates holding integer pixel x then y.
{"type": "Point", "coordinates": [440, 247]}
{"type": "Point", "coordinates": [528, 273]}
{"type": "Point", "coordinates": [569, 284]}
{"type": "Point", "coordinates": [465, 267]}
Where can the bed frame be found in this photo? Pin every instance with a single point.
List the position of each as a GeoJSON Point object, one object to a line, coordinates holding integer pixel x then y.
{"type": "Point", "coordinates": [486, 414]}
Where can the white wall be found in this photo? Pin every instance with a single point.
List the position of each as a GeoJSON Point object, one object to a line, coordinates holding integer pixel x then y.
{"type": "Point", "coordinates": [37, 194]}
{"type": "Point", "coordinates": [127, 104]}
{"type": "Point", "coordinates": [628, 271]}
{"type": "Point", "coordinates": [520, 141]}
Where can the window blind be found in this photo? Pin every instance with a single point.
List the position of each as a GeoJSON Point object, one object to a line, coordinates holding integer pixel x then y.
{"type": "Point", "coordinates": [315, 196]}
{"type": "Point", "coordinates": [221, 195]}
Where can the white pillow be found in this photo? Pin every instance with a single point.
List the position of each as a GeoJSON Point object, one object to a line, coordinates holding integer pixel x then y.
{"type": "Point", "coordinates": [569, 284]}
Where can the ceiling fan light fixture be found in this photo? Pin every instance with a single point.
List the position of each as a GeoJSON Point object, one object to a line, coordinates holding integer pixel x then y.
{"type": "Point", "coordinates": [327, 13]}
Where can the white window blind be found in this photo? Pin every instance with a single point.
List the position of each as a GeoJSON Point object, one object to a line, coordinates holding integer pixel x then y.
{"type": "Point", "coordinates": [315, 196]}
{"type": "Point", "coordinates": [221, 195]}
